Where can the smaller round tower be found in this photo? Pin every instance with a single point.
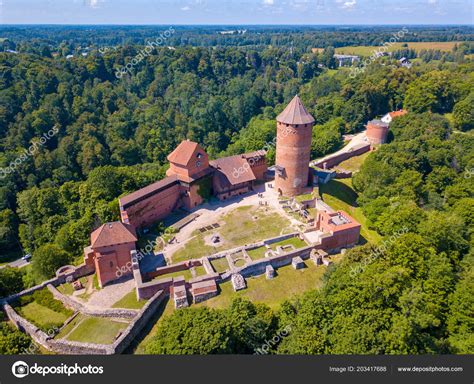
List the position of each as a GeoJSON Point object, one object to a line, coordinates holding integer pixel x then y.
{"type": "Point", "coordinates": [377, 132]}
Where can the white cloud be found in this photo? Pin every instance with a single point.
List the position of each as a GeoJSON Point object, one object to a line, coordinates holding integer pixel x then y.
{"type": "Point", "coordinates": [186, 8]}
{"type": "Point", "coordinates": [92, 3]}
{"type": "Point", "coordinates": [349, 4]}
{"type": "Point", "coordinates": [268, 2]}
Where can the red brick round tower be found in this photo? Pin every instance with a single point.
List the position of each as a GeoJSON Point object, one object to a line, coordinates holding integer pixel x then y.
{"type": "Point", "coordinates": [293, 149]}
{"type": "Point", "coordinates": [377, 132]}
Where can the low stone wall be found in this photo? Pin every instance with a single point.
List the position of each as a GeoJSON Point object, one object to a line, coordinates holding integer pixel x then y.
{"type": "Point", "coordinates": [24, 325]}
{"type": "Point", "coordinates": [136, 326]}
{"type": "Point", "coordinates": [76, 306]}
{"type": "Point", "coordinates": [76, 348]}
{"type": "Point", "coordinates": [258, 267]}
{"type": "Point", "coordinates": [58, 346]}
{"type": "Point", "coordinates": [149, 289]}
{"type": "Point", "coordinates": [80, 271]}
{"type": "Point", "coordinates": [332, 161]}
{"type": "Point", "coordinates": [211, 276]}
{"type": "Point", "coordinates": [343, 174]}
{"type": "Point", "coordinates": [173, 268]}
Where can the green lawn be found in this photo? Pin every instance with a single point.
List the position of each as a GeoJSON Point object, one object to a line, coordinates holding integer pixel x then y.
{"type": "Point", "coordinates": [130, 301]}
{"type": "Point", "coordinates": [65, 289]}
{"type": "Point", "coordinates": [354, 163]}
{"type": "Point", "coordinates": [69, 327]}
{"type": "Point", "coordinates": [96, 330]}
{"type": "Point", "coordinates": [238, 229]}
{"type": "Point", "coordinates": [257, 253]}
{"type": "Point", "coordinates": [287, 283]}
{"type": "Point", "coordinates": [186, 273]}
{"type": "Point", "coordinates": [200, 270]}
{"type": "Point", "coordinates": [339, 195]}
{"type": "Point", "coordinates": [41, 316]}
{"type": "Point", "coordinates": [68, 289]}
{"type": "Point", "coordinates": [220, 265]}
{"type": "Point", "coordinates": [239, 263]}
{"type": "Point", "coordinates": [305, 197]}
{"type": "Point", "coordinates": [295, 241]}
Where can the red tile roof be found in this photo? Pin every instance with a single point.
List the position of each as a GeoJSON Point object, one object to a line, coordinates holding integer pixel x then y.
{"type": "Point", "coordinates": [401, 112]}
{"type": "Point", "coordinates": [183, 152]}
{"type": "Point", "coordinates": [295, 113]}
{"type": "Point", "coordinates": [113, 234]}
{"type": "Point", "coordinates": [148, 191]}
{"type": "Point", "coordinates": [204, 287]}
{"type": "Point", "coordinates": [232, 170]}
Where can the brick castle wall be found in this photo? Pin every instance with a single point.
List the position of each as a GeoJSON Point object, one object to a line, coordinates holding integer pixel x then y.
{"type": "Point", "coordinates": [156, 207]}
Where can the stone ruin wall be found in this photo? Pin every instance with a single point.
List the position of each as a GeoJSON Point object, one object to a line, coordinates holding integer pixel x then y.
{"type": "Point", "coordinates": [80, 271]}
{"type": "Point", "coordinates": [76, 306]}
{"type": "Point", "coordinates": [77, 348]}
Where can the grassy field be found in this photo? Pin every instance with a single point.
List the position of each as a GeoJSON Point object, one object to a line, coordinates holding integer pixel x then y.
{"type": "Point", "coordinates": [257, 253]}
{"type": "Point", "coordinates": [41, 316]}
{"type": "Point", "coordinates": [295, 241]}
{"type": "Point", "coordinates": [68, 289]}
{"type": "Point", "coordinates": [239, 228]}
{"type": "Point", "coordinates": [354, 163]}
{"type": "Point", "coordinates": [287, 283]}
{"type": "Point", "coordinates": [166, 309]}
{"type": "Point", "coordinates": [129, 301]}
{"type": "Point", "coordinates": [239, 263]}
{"type": "Point", "coordinates": [365, 50]}
{"type": "Point", "coordinates": [220, 265]}
{"type": "Point", "coordinates": [186, 273]}
{"type": "Point", "coordinates": [96, 330]}
{"type": "Point", "coordinates": [339, 195]}
{"type": "Point", "coordinates": [70, 326]}
{"type": "Point", "coordinates": [200, 270]}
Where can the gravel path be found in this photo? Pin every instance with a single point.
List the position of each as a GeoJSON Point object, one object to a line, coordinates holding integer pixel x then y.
{"type": "Point", "coordinates": [110, 294]}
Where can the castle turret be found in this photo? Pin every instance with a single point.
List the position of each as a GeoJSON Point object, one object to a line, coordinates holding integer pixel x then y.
{"type": "Point", "coordinates": [377, 132]}
{"type": "Point", "coordinates": [293, 149]}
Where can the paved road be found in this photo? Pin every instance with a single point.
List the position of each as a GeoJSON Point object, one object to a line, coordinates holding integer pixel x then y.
{"type": "Point", "coordinates": [16, 264]}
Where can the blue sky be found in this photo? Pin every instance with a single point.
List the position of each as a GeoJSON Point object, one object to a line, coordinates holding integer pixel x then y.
{"type": "Point", "coordinates": [236, 12]}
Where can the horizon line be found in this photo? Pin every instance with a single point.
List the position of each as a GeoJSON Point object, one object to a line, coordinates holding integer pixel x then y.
{"type": "Point", "coordinates": [235, 25]}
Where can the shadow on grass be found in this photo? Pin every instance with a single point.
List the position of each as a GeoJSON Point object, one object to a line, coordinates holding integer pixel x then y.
{"type": "Point", "coordinates": [147, 328]}
{"type": "Point", "coordinates": [362, 240]}
{"type": "Point", "coordinates": [339, 191]}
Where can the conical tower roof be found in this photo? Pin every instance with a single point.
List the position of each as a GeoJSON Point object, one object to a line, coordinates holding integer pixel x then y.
{"type": "Point", "coordinates": [295, 113]}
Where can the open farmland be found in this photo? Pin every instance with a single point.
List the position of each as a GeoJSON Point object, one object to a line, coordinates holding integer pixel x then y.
{"type": "Point", "coordinates": [367, 50]}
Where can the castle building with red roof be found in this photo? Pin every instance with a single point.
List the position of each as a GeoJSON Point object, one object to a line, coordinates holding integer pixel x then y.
{"type": "Point", "coordinates": [109, 252]}
{"type": "Point", "coordinates": [190, 178]}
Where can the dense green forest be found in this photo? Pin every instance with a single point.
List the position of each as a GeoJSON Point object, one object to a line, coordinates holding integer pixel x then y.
{"type": "Point", "coordinates": [33, 38]}
{"type": "Point", "coordinates": [75, 137]}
